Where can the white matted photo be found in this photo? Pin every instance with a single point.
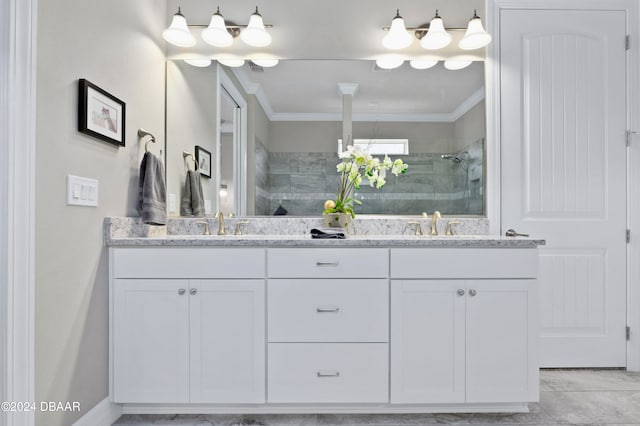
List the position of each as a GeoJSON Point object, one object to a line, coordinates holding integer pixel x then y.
{"type": "Point", "coordinates": [100, 114]}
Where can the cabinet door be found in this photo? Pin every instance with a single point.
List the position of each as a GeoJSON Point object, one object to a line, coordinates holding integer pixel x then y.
{"type": "Point", "coordinates": [150, 340]}
{"type": "Point", "coordinates": [227, 341]}
{"type": "Point", "coordinates": [427, 341]}
{"type": "Point", "coordinates": [501, 332]}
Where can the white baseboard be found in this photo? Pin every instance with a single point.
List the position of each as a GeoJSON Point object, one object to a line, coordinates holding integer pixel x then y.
{"type": "Point", "coordinates": [105, 413]}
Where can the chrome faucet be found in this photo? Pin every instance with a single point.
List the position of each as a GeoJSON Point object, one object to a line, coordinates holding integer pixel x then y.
{"type": "Point", "coordinates": [220, 217]}
{"type": "Point", "coordinates": [206, 227]}
{"type": "Point", "coordinates": [434, 222]}
{"type": "Point", "coordinates": [418, 228]}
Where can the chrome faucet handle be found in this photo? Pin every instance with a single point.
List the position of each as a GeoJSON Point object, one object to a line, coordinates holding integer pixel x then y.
{"type": "Point", "coordinates": [449, 230]}
{"type": "Point", "coordinates": [434, 222]}
{"type": "Point", "coordinates": [417, 225]}
{"type": "Point", "coordinates": [239, 227]}
{"type": "Point", "coordinates": [207, 231]}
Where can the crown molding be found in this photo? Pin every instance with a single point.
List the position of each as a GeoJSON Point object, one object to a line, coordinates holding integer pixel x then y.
{"type": "Point", "coordinates": [467, 104]}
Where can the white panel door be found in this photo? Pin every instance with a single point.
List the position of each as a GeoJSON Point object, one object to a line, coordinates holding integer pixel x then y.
{"type": "Point", "coordinates": [227, 341]}
{"type": "Point", "coordinates": [501, 341]}
{"type": "Point", "coordinates": [427, 341]}
{"type": "Point", "coordinates": [563, 162]}
{"type": "Point", "coordinates": [151, 341]}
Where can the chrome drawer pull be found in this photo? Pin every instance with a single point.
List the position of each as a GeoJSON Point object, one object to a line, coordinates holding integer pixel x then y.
{"type": "Point", "coordinates": [334, 263]}
{"type": "Point", "coordinates": [325, 310]}
{"type": "Point", "coordinates": [334, 374]}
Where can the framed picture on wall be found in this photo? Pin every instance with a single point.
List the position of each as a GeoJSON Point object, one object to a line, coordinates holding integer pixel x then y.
{"type": "Point", "coordinates": [100, 114]}
{"type": "Point", "coordinates": [203, 158]}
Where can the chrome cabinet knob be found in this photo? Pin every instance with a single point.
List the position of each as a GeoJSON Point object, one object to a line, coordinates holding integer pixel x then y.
{"type": "Point", "coordinates": [460, 292]}
{"type": "Point", "coordinates": [472, 293]}
{"type": "Point", "coordinates": [193, 291]}
{"type": "Point", "coordinates": [181, 291]}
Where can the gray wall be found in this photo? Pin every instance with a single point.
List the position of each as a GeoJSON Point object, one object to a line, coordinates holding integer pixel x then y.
{"type": "Point", "coordinates": [191, 121]}
{"type": "Point", "coordinates": [116, 45]}
{"type": "Point", "coordinates": [470, 127]}
{"type": "Point", "coordinates": [322, 136]}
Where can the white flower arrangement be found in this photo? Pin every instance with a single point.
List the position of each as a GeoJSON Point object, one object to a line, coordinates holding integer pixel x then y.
{"type": "Point", "coordinates": [355, 161]}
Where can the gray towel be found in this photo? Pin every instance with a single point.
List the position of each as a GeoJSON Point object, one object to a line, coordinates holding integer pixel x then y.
{"type": "Point", "coordinates": [192, 202]}
{"type": "Point", "coordinates": [152, 192]}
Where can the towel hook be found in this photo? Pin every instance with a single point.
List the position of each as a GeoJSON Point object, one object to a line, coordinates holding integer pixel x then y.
{"type": "Point", "coordinates": [143, 133]}
{"type": "Point", "coordinates": [186, 155]}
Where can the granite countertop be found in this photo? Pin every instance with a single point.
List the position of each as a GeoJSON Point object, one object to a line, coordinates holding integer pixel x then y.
{"type": "Point", "coordinates": [294, 232]}
{"type": "Point", "coordinates": [463, 241]}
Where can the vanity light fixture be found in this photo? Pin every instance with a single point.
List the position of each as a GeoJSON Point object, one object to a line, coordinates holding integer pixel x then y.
{"type": "Point", "coordinates": [397, 37]}
{"type": "Point", "coordinates": [232, 62]}
{"type": "Point", "coordinates": [266, 63]}
{"type": "Point", "coordinates": [216, 33]}
{"type": "Point", "coordinates": [255, 35]}
{"type": "Point", "coordinates": [223, 191]}
{"type": "Point", "coordinates": [178, 32]}
{"type": "Point", "coordinates": [475, 37]}
{"type": "Point", "coordinates": [455, 64]}
{"type": "Point", "coordinates": [437, 37]}
{"type": "Point", "coordinates": [389, 62]}
{"type": "Point", "coordinates": [434, 35]}
{"type": "Point", "coordinates": [200, 63]}
{"type": "Point", "coordinates": [423, 64]}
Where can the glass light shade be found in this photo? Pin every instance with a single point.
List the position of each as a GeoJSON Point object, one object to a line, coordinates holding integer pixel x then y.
{"type": "Point", "coordinates": [456, 64]}
{"type": "Point", "coordinates": [178, 32]}
{"type": "Point", "coordinates": [436, 37]}
{"type": "Point", "coordinates": [266, 63]}
{"type": "Point", "coordinates": [389, 62]}
{"type": "Point", "coordinates": [201, 63]}
{"type": "Point", "coordinates": [475, 37]}
{"type": "Point", "coordinates": [397, 37]}
{"type": "Point", "coordinates": [255, 35]}
{"type": "Point", "coordinates": [223, 191]}
{"type": "Point", "coordinates": [423, 64]}
{"type": "Point", "coordinates": [232, 62]}
{"type": "Point", "coordinates": [216, 33]}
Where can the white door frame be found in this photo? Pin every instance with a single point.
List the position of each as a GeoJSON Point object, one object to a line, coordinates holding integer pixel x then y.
{"type": "Point", "coordinates": [240, 148]}
{"type": "Point", "coordinates": [633, 119]}
{"type": "Point", "coordinates": [17, 204]}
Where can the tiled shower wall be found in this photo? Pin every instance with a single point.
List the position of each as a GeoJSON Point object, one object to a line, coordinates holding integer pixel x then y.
{"type": "Point", "coordinates": [301, 182]}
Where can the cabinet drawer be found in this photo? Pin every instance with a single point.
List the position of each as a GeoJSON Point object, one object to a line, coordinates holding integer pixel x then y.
{"type": "Point", "coordinates": [328, 372]}
{"type": "Point", "coordinates": [328, 263]}
{"type": "Point", "coordinates": [188, 262]}
{"type": "Point", "coordinates": [464, 263]}
{"type": "Point", "coordinates": [335, 310]}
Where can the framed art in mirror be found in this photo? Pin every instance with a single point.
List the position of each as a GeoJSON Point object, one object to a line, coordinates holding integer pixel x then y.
{"type": "Point", "coordinates": [100, 114]}
{"type": "Point", "coordinates": [203, 158]}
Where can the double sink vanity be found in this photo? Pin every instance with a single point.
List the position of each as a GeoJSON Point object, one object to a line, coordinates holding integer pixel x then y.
{"type": "Point", "coordinates": [275, 322]}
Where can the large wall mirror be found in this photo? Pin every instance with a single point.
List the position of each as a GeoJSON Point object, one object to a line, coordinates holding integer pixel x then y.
{"type": "Point", "coordinates": [294, 122]}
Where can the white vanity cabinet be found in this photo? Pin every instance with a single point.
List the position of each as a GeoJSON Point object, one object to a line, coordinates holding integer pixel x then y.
{"type": "Point", "coordinates": [327, 328]}
{"type": "Point", "coordinates": [328, 325]}
{"type": "Point", "coordinates": [463, 326]}
{"type": "Point", "coordinates": [199, 338]}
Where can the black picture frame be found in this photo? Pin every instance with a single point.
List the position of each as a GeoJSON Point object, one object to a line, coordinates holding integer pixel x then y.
{"type": "Point", "coordinates": [203, 158]}
{"type": "Point", "coordinates": [100, 114]}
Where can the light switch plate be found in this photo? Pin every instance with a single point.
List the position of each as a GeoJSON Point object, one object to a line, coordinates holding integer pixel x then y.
{"type": "Point", "coordinates": [82, 191]}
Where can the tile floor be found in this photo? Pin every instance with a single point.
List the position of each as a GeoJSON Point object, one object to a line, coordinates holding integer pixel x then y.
{"type": "Point", "coordinates": [584, 397]}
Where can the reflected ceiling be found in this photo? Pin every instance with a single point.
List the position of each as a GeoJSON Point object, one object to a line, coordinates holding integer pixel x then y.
{"type": "Point", "coordinates": [311, 87]}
